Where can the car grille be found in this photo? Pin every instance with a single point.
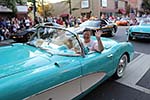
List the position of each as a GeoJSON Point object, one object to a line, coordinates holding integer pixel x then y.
{"type": "Point", "coordinates": [138, 34]}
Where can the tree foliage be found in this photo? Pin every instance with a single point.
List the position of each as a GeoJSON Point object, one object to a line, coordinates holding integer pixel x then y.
{"type": "Point", "coordinates": [128, 7]}
{"type": "Point", "coordinates": [30, 0]}
{"type": "Point", "coordinates": [45, 10]}
{"type": "Point", "coordinates": [12, 4]}
{"type": "Point", "coordinates": [146, 6]}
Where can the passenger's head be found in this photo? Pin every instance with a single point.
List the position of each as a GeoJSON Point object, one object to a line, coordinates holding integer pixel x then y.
{"type": "Point", "coordinates": [87, 35]}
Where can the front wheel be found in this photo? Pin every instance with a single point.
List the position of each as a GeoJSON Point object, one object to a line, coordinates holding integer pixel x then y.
{"type": "Point", "coordinates": [130, 38]}
{"type": "Point", "coordinates": [112, 32]}
{"type": "Point", "coordinates": [121, 66]}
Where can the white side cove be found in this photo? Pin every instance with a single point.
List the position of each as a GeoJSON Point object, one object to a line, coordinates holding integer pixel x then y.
{"type": "Point", "coordinates": [70, 89]}
{"type": "Point", "coordinates": [90, 80]}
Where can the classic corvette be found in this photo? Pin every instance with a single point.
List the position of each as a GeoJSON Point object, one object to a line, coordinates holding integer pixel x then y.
{"type": "Point", "coordinates": [141, 31]}
{"type": "Point", "coordinates": [23, 36]}
{"type": "Point", "coordinates": [108, 28]}
{"type": "Point", "coordinates": [48, 66]}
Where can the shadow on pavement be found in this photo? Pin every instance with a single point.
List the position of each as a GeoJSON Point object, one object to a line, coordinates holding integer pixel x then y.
{"type": "Point", "coordinates": [145, 80]}
{"type": "Point", "coordinates": [141, 41]}
{"type": "Point", "coordinates": [111, 90]}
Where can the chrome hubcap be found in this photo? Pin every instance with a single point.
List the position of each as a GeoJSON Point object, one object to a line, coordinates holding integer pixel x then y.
{"type": "Point", "coordinates": [122, 65]}
{"type": "Point", "coordinates": [113, 32]}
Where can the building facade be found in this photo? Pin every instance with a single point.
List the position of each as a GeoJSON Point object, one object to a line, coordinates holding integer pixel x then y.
{"type": "Point", "coordinates": [136, 5]}
{"type": "Point", "coordinates": [90, 7]}
{"type": "Point", "coordinates": [7, 12]}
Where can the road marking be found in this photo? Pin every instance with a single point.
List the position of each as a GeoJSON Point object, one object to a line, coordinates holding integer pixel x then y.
{"type": "Point", "coordinates": [135, 71]}
{"type": "Point", "coordinates": [138, 52]}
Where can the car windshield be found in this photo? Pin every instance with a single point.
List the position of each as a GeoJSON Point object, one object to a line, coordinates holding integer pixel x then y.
{"type": "Point", "coordinates": [124, 19]}
{"type": "Point", "coordinates": [55, 41]}
{"type": "Point", "coordinates": [90, 24]}
{"type": "Point", "coordinates": [48, 24]}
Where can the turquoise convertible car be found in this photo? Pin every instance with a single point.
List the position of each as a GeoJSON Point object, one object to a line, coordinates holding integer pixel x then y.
{"type": "Point", "coordinates": [141, 31]}
{"type": "Point", "coordinates": [48, 67]}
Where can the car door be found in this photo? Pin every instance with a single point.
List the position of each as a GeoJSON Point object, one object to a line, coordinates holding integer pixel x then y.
{"type": "Point", "coordinates": [68, 73]}
{"type": "Point", "coordinates": [94, 67]}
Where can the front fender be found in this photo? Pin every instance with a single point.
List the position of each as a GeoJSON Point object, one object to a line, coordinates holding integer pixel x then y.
{"type": "Point", "coordinates": [120, 49]}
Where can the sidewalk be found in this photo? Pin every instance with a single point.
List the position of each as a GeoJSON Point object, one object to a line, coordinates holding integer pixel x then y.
{"type": "Point", "coordinates": [135, 74]}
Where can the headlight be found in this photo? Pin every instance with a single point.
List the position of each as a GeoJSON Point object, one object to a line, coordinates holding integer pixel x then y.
{"type": "Point", "coordinates": [14, 37]}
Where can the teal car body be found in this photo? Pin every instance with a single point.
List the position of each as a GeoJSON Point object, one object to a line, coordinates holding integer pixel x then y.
{"type": "Point", "coordinates": [141, 31]}
{"type": "Point", "coordinates": [31, 70]}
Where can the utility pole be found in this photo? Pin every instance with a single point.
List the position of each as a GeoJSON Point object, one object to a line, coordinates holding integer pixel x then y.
{"type": "Point", "coordinates": [70, 8]}
{"type": "Point", "coordinates": [43, 10]}
{"type": "Point", "coordinates": [34, 8]}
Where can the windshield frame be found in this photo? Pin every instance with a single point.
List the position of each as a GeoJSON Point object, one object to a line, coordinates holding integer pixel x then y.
{"type": "Point", "coordinates": [64, 29]}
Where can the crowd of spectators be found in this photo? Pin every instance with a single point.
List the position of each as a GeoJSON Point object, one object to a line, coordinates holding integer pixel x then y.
{"type": "Point", "coordinates": [9, 26]}
{"type": "Point", "coordinates": [67, 21]}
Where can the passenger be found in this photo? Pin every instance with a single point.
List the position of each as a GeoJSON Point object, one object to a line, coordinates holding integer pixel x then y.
{"type": "Point", "coordinates": [93, 45]}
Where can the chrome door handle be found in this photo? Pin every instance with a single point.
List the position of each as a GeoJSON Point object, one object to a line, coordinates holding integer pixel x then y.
{"type": "Point", "coordinates": [110, 55]}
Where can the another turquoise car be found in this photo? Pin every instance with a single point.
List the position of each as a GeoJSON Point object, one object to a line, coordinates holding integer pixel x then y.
{"type": "Point", "coordinates": [48, 67]}
{"type": "Point", "coordinates": [141, 31]}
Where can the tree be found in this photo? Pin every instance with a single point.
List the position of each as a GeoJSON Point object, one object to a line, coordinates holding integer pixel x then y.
{"type": "Point", "coordinates": [30, 0]}
{"type": "Point", "coordinates": [128, 7]}
{"type": "Point", "coordinates": [48, 8]}
{"type": "Point", "coordinates": [146, 6]}
{"type": "Point", "coordinates": [12, 4]}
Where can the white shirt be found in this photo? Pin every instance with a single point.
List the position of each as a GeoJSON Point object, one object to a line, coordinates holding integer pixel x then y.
{"type": "Point", "coordinates": [90, 45]}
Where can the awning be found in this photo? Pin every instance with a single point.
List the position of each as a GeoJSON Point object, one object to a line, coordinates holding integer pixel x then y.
{"type": "Point", "coordinates": [64, 15]}
{"type": "Point", "coordinates": [23, 9]}
{"type": "Point", "coordinates": [4, 9]}
{"type": "Point", "coordinates": [122, 11]}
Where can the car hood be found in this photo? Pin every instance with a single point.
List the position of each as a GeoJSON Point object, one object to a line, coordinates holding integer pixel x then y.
{"type": "Point", "coordinates": [108, 43]}
{"type": "Point", "coordinates": [26, 31]}
{"type": "Point", "coordinates": [81, 29]}
{"type": "Point", "coordinates": [142, 29]}
{"type": "Point", "coordinates": [20, 57]}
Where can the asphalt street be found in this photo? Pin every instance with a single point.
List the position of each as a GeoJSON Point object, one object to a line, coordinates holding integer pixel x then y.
{"type": "Point", "coordinates": [135, 84]}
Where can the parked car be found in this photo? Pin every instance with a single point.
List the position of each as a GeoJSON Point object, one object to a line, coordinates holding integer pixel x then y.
{"type": "Point", "coordinates": [48, 68]}
{"type": "Point", "coordinates": [24, 35]}
{"type": "Point", "coordinates": [108, 28]}
{"type": "Point", "coordinates": [123, 22]}
{"type": "Point", "coordinates": [141, 31]}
